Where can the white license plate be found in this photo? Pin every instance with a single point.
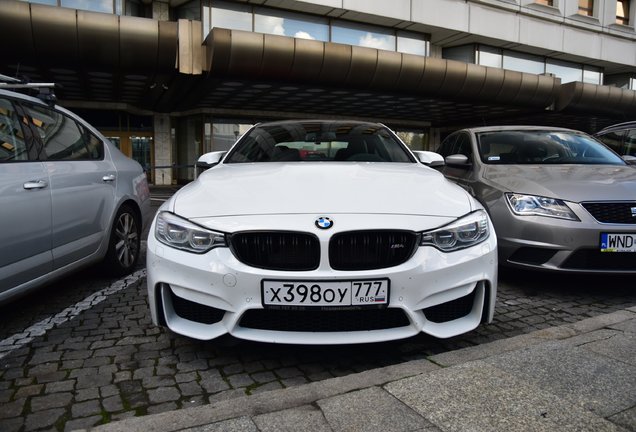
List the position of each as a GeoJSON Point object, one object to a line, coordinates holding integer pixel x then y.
{"type": "Point", "coordinates": [325, 293]}
{"type": "Point", "coordinates": [611, 242]}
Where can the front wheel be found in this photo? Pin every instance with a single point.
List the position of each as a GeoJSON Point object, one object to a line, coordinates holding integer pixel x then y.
{"type": "Point", "coordinates": [125, 242]}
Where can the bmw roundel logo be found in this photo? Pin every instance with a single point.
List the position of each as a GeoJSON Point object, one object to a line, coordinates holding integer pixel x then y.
{"type": "Point", "coordinates": [324, 222]}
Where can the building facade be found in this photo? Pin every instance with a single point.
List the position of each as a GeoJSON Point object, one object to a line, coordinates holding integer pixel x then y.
{"type": "Point", "coordinates": [170, 79]}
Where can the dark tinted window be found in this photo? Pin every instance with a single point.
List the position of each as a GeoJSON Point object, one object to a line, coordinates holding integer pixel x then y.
{"type": "Point", "coordinates": [630, 143]}
{"type": "Point", "coordinates": [12, 143]}
{"type": "Point", "coordinates": [62, 137]}
{"type": "Point", "coordinates": [319, 141]}
{"type": "Point", "coordinates": [543, 147]}
{"type": "Point", "coordinates": [613, 140]}
{"type": "Point", "coordinates": [447, 146]}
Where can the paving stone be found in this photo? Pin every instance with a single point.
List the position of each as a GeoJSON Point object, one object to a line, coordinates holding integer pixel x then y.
{"type": "Point", "coordinates": [155, 409]}
{"type": "Point", "coordinates": [194, 365]}
{"type": "Point", "coordinates": [86, 409]}
{"type": "Point", "coordinates": [112, 404]}
{"type": "Point", "coordinates": [186, 377]}
{"type": "Point", "coordinates": [93, 381]}
{"type": "Point", "coordinates": [122, 376]}
{"type": "Point", "coordinates": [31, 390]}
{"type": "Point", "coordinates": [226, 395]}
{"type": "Point", "coordinates": [96, 362]}
{"type": "Point", "coordinates": [86, 394]}
{"type": "Point", "coordinates": [158, 381]}
{"type": "Point", "coordinates": [374, 409]}
{"type": "Point", "coordinates": [12, 409]}
{"type": "Point", "coordinates": [212, 382]}
{"type": "Point", "coordinates": [305, 417]}
{"type": "Point", "coordinates": [241, 424]}
{"type": "Point", "coordinates": [274, 385]}
{"type": "Point", "coordinates": [55, 400]}
{"type": "Point", "coordinates": [163, 394]}
{"type": "Point", "coordinates": [47, 357]}
{"type": "Point", "coordinates": [11, 425]}
{"type": "Point", "coordinates": [82, 423]}
{"type": "Point", "coordinates": [43, 419]}
{"type": "Point", "coordinates": [264, 377]}
{"type": "Point", "coordinates": [190, 388]}
{"type": "Point", "coordinates": [293, 382]}
{"type": "Point", "coordinates": [240, 380]}
{"type": "Point", "coordinates": [288, 372]}
{"type": "Point", "coordinates": [143, 373]}
{"type": "Point", "coordinates": [60, 386]}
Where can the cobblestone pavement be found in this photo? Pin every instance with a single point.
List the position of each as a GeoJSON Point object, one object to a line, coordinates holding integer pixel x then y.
{"type": "Point", "coordinates": [83, 352]}
{"type": "Point", "coordinates": [102, 360]}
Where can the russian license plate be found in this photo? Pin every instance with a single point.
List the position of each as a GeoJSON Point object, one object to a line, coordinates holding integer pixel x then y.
{"type": "Point", "coordinates": [325, 293]}
{"type": "Point", "coordinates": [613, 242]}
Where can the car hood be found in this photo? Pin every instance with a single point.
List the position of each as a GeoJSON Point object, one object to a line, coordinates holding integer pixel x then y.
{"type": "Point", "coordinates": [321, 188]}
{"type": "Point", "coordinates": [575, 183]}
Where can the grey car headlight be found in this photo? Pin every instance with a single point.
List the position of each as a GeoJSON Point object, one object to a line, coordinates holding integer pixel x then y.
{"type": "Point", "coordinates": [531, 205]}
{"type": "Point", "coordinates": [465, 232]}
{"type": "Point", "coordinates": [179, 233]}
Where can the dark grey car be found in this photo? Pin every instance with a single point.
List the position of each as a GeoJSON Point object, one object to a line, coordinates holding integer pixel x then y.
{"type": "Point", "coordinates": [68, 197]}
{"type": "Point", "coordinates": [559, 199]}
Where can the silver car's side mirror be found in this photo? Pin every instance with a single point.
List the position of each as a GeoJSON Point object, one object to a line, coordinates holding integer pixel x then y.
{"type": "Point", "coordinates": [457, 160]}
{"type": "Point", "coordinates": [631, 160]}
{"type": "Point", "coordinates": [429, 158]}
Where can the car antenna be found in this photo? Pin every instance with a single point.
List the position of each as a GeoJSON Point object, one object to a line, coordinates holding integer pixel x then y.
{"type": "Point", "coordinates": [45, 90]}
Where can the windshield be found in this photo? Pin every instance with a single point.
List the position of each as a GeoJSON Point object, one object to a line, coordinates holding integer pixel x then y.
{"type": "Point", "coordinates": [319, 142]}
{"type": "Point", "coordinates": [543, 147]}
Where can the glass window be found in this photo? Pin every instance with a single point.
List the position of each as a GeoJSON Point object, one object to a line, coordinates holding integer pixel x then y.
{"type": "Point", "coordinates": [586, 7]}
{"type": "Point", "coordinates": [592, 75]}
{"type": "Point", "coordinates": [613, 140]}
{"type": "Point", "coordinates": [489, 56]}
{"type": "Point", "coordinates": [622, 12]}
{"type": "Point", "coordinates": [521, 62]}
{"type": "Point", "coordinates": [568, 72]}
{"type": "Point", "coordinates": [630, 143]}
{"type": "Point", "coordinates": [92, 5]}
{"type": "Point", "coordinates": [61, 136]}
{"type": "Point", "coordinates": [543, 147]}
{"type": "Point", "coordinates": [12, 145]}
{"type": "Point", "coordinates": [319, 141]}
{"type": "Point", "coordinates": [46, 2]}
{"type": "Point", "coordinates": [545, 2]}
{"type": "Point", "coordinates": [412, 43]}
{"type": "Point", "coordinates": [361, 35]}
{"type": "Point", "coordinates": [448, 145]}
{"type": "Point", "coordinates": [190, 10]}
{"type": "Point", "coordinates": [231, 16]}
{"type": "Point", "coordinates": [290, 24]}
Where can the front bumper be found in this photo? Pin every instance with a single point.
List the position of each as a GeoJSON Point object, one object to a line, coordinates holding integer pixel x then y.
{"type": "Point", "coordinates": [230, 293]}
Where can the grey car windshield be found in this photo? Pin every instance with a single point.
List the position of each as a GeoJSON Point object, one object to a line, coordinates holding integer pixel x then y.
{"type": "Point", "coordinates": [319, 142]}
{"type": "Point", "coordinates": [543, 147]}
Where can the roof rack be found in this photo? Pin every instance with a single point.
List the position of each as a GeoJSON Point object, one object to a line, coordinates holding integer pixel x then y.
{"type": "Point", "coordinates": [45, 90]}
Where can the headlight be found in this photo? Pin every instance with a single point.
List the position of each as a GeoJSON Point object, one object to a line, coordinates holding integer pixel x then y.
{"type": "Point", "coordinates": [531, 205]}
{"type": "Point", "coordinates": [181, 234]}
{"type": "Point", "coordinates": [465, 232]}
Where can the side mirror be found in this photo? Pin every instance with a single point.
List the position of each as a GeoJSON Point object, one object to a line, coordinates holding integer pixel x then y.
{"type": "Point", "coordinates": [631, 160]}
{"type": "Point", "coordinates": [429, 158]}
{"type": "Point", "coordinates": [208, 160]}
{"type": "Point", "coordinates": [458, 160]}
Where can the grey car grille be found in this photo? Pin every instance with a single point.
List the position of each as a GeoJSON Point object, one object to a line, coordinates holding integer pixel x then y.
{"type": "Point", "coordinates": [612, 212]}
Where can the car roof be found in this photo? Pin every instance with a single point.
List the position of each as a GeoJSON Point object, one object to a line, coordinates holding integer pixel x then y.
{"type": "Point", "coordinates": [618, 127]}
{"type": "Point", "coordinates": [518, 128]}
{"type": "Point", "coordinates": [318, 121]}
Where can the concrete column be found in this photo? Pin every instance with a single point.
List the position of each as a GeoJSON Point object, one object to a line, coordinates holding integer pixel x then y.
{"type": "Point", "coordinates": [160, 10]}
{"type": "Point", "coordinates": [163, 150]}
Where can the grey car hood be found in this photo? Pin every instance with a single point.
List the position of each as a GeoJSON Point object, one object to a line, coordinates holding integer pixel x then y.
{"type": "Point", "coordinates": [575, 183]}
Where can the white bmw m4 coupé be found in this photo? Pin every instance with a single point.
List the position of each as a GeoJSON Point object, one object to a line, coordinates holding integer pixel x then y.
{"type": "Point", "coordinates": [321, 232]}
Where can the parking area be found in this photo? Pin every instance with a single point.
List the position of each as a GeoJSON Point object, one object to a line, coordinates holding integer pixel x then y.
{"type": "Point", "coordinates": [83, 351]}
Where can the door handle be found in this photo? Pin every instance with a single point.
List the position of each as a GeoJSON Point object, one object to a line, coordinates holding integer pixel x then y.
{"type": "Point", "coordinates": [35, 184]}
{"type": "Point", "coordinates": [109, 178]}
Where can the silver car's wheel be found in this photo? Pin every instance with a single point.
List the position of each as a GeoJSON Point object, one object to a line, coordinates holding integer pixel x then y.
{"type": "Point", "coordinates": [125, 241]}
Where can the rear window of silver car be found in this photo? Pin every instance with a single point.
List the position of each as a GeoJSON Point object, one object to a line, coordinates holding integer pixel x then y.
{"type": "Point", "coordinates": [543, 147]}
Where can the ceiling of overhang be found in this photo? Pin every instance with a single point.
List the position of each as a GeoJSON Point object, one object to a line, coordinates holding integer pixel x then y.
{"type": "Point", "coordinates": [109, 62]}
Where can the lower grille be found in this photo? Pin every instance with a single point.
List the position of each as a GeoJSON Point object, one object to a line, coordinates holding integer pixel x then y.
{"type": "Point", "coordinates": [324, 320]}
{"type": "Point", "coordinates": [368, 250]}
{"type": "Point", "coordinates": [612, 212]}
{"type": "Point", "coordinates": [277, 250]}
{"type": "Point", "coordinates": [451, 310]}
{"type": "Point", "coordinates": [196, 312]}
{"type": "Point", "coordinates": [530, 255]}
{"type": "Point", "coordinates": [592, 259]}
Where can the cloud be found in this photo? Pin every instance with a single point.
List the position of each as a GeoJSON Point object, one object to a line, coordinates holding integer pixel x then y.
{"type": "Point", "coordinates": [304, 35]}
{"type": "Point", "coordinates": [370, 41]}
{"type": "Point", "coordinates": [273, 25]}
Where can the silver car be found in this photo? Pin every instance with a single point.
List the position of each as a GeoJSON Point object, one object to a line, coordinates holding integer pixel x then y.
{"type": "Point", "coordinates": [68, 197]}
{"type": "Point", "coordinates": [559, 199]}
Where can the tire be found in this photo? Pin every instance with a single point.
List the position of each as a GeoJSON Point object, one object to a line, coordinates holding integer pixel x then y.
{"type": "Point", "coordinates": [124, 245]}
